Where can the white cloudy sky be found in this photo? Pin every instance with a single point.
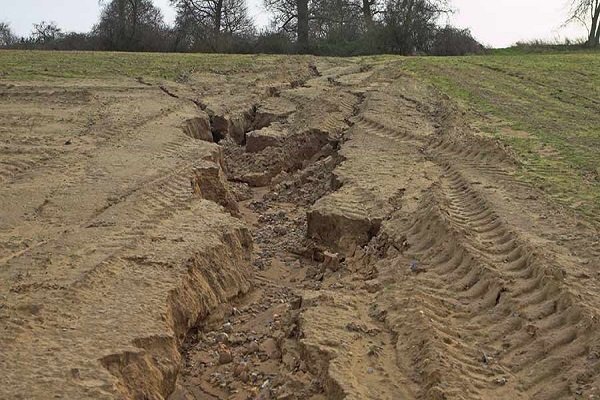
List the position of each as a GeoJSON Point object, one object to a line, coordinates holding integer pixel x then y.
{"type": "Point", "coordinates": [498, 23]}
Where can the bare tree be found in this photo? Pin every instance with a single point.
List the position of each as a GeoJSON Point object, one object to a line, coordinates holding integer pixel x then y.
{"type": "Point", "coordinates": [235, 19]}
{"type": "Point", "coordinates": [219, 16]}
{"type": "Point", "coordinates": [7, 37]}
{"type": "Point", "coordinates": [587, 12]}
{"type": "Point", "coordinates": [292, 16]}
{"type": "Point", "coordinates": [46, 32]}
{"type": "Point", "coordinates": [410, 25]}
{"type": "Point", "coordinates": [369, 9]}
{"type": "Point", "coordinates": [337, 22]}
{"type": "Point", "coordinates": [130, 24]}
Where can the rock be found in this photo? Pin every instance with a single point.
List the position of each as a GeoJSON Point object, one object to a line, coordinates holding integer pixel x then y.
{"type": "Point", "coordinates": [257, 179]}
{"type": "Point", "coordinates": [223, 338]}
{"type": "Point", "coordinates": [227, 327]}
{"type": "Point", "coordinates": [236, 340]}
{"type": "Point", "coordinates": [259, 140]}
{"type": "Point", "coordinates": [501, 381]}
{"type": "Point", "coordinates": [225, 356]}
{"type": "Point", "coordinates": [377, 314]}
{"type": "Point", "coordinates": [331, 261]}
{"type": "Point", "coordinates": [271, 349]}
{"type": "Point", "coordinates": [240, 368]}
{"type": "Point", "coordinates": [280, 230]}
{"type": "Point", "coordinates": [271, 110]}
{"type": "Point", "coordinates": [372, 286]}
{"type": "Point", "coordinates": [252, 348]}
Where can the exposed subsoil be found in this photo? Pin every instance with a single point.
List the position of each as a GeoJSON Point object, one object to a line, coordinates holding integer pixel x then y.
{"type": "Point", "coordinates": [330, 231]}
{"type": "Point", "coordinates": [403, 260]}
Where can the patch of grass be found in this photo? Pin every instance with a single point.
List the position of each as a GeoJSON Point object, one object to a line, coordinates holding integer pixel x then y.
{"type": "Point", "coordinates": [35, 65]}
{"type": "Point", "coordinates": [554, 98]}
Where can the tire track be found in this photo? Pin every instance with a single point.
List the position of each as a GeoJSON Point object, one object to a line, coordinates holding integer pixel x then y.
{"type": "Point", "coordinates": [497, 285]}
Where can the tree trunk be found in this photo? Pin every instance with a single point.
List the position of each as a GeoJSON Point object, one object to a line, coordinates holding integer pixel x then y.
{"type": "Point", "coordinates": [120, 39]}
{"type": "Point", "coordinates": [367, 14]}
{"type": "Point", "coordinates": [595, 28]}
{"type": "Point", "coordinates": [302, 29]}
{"type": "Point", "coordinates": [133, 42]}
{"type": "Point", "coordinates": [218, 17]}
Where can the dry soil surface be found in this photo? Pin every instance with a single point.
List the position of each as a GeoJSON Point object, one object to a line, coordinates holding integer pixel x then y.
{"type": "Point", "coordinates": [331, 230]}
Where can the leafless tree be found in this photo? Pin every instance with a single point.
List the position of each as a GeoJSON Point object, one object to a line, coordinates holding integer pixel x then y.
{"type": "Point", "coordinates": [211, 25]}
{"type": "Point", "coordinates": [587, 12]}
{"type": "Point", "coordinates": [292, 16]}
{"type": "Point", "coordinates": [219, 16]}
{"type": "Point", "coordinates": [369, 9]}
{"type": "Point", "coordinates": [336, 21]}
{"type": "Point", "coordinates": [46, 32]}
{"type": "Point", "coordinates": [7, 37]}
{"type": "Point", "coordinates": [410, 25]}
{"type": "Point", "coordinates": [130, 24]}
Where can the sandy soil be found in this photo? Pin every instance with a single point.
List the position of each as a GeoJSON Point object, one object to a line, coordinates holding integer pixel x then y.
{"type": "Point", "coordinates": [349, 237]}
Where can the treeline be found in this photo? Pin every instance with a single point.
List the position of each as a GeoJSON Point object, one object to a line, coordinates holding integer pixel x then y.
{"type": "Point", "coordinates": [322, 27]}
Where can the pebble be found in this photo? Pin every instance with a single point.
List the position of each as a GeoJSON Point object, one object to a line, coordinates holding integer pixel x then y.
{"type": "Point", "coordinates": [228, 328]}
{"type": "Point", "coordinates": [225, 356]}
{"type": "Point", "coordinates": [240, 369]}
{"type": "Point", "coordinates": [252, 348]}
{"type": "Point", "coordinates": [223, 338]}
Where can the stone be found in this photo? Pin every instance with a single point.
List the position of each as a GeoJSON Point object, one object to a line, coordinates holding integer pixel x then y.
{"type": "Point", "coordinates": [272, 110]}
{"type": "Point", "coordinates": [223, 338]}
{"type": "Point", "coordinates": [240, 368]}
{"type": "Point", "coordinates": [372, 286]}
{"type": "Point", "coordinates": [259, 140]}
{"type": "Point", "coordinates": [252, 348]}
{"type": "Point", "coordinates": [227, 327]}
{"type": "Point", "coordinates": [225, 356]}
{"type": "Point", "coordinates": [271, 349]}
{"type": "Point", "coordinates": [331, 261]}
{"type": "Point", "coordinates": [257, 179]}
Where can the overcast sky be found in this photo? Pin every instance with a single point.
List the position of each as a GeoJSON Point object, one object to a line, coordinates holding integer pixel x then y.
{"type": "Point", "coordinates": [498, 23]}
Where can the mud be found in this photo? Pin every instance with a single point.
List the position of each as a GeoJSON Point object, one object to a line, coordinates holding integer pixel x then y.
{"type": "Point", "coordinates": [348, 235]}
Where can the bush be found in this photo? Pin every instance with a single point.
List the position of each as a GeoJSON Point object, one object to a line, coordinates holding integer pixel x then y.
{"type": "Point", "coordinates": [451, 41]}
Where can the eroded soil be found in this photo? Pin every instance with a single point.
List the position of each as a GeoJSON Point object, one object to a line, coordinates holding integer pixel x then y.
{"type": "Point", "coordinates": [349, 236]}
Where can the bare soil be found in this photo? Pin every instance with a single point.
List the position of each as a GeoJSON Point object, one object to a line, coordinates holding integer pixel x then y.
{"type": "Point", "coordinates": [332, 230]}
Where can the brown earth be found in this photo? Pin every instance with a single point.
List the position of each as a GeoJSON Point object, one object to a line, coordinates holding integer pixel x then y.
{"type": "Point", "coordinates": [349, 237]}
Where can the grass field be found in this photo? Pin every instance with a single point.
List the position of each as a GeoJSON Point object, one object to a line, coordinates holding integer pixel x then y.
{"type": "Point", "coordinates": [35, 65]}
{"type": "Point", "coordinates": [546, 106]}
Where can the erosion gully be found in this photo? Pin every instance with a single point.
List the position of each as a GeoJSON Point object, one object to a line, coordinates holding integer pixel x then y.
{"type": "Point", "coordinates": [250, 348]}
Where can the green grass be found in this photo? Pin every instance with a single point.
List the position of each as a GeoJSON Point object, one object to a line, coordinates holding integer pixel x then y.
{"type": "Point", "coordinates": [36, 65]}
{"type": "Point", "coordinates": [552, 100]}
